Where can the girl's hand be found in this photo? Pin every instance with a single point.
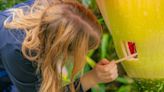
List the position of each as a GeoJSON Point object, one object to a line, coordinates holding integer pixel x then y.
{"type": "Point", "coordinates": [103, 72]}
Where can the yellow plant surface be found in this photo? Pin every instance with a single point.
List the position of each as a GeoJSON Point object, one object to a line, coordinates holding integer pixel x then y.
{"type": "Point", "coordinates": [141, 22]}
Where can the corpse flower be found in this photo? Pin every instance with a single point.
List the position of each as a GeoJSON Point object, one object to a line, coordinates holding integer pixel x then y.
{"type": "Point", "coordinates": [138, 26]}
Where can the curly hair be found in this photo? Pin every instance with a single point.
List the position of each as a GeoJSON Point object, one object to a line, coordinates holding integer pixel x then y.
{"type": "Point", "coordinates": [56, 30]}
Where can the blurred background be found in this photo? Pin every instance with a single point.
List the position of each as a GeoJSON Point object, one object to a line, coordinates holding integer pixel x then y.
{"type": "Point", "coordinates": [105, 50]}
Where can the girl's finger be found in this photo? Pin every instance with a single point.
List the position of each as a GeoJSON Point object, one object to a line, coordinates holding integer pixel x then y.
{"type": "Point", "coordinates": [101, 69]}
{"type": "Point", "coordinates": [109, 73]}
{"type": "Point", "coordinates": [105, 68]}
{"type": "Point", "coordinates": [112, 77]}
{"type": "Point", "coordinates": [103, 62]}
{"type": "Point", "coordinates": [109, 68]}
{"type": "Point", "coordinates": [114, 69]}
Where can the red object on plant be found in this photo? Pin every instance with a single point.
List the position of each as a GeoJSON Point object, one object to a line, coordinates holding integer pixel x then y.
{"type": "Point", "coordinates": [132, 47]}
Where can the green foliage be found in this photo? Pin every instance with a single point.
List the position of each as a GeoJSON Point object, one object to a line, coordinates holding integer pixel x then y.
{"type": "Point", "coordinates": [4, 4]}
{"type": "Point", "coordinates": [104, 45]}
{"type": "Point", "coordinates": [124, 89]}
{"type": "Point", "coordinates": [148, 85]}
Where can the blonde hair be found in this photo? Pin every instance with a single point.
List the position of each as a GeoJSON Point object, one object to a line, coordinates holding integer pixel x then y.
{"type": "Point", "coordinates": [56, 30]}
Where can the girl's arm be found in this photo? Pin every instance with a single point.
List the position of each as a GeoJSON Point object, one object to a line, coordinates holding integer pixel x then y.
{"type": "Point", "coordinates": [103, 72]}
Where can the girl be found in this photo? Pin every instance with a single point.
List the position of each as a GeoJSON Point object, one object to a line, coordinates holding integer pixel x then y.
{"type": "Point", "coordinates": [37, 36]}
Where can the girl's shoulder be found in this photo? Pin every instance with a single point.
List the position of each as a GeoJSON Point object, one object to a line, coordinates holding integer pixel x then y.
{"type": "Point", "coordinates": [28, 2]}
{"type": "Point", "coordinates": [3, 33]}
{"type": "Point", "coordinates": [21, 71]}
{"type": "Point", "coordinates": [20, 5]}
{"type": "Point", "coordinates": [9, 36]}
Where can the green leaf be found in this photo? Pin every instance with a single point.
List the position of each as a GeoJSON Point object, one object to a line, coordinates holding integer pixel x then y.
{"type": "Point", "coordinates": [99, 88]}
{"type": "Point", "coordinates": [90, 54]}
{"type": "Point", "coordinates": [101, 20]}
{"type": "Point", "coordinates": [104, 45]}
{"type": "Point", "coordinates": [90, 61]}
{"type": "Point", "coordinates": [125, 89]}
{"type": "Point", "coordinates": [124, 80]}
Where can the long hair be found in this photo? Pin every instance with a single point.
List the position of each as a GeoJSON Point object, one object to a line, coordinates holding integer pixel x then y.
{"type": "Point", "coordinates": [56, 30]}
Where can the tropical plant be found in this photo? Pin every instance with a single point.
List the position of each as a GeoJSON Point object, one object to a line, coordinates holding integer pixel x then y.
{"type": "Point", "coordinates": [137, 27]}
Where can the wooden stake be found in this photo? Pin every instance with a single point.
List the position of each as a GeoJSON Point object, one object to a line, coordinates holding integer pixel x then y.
{"type": "Point", "coordinates": [126, 58]}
